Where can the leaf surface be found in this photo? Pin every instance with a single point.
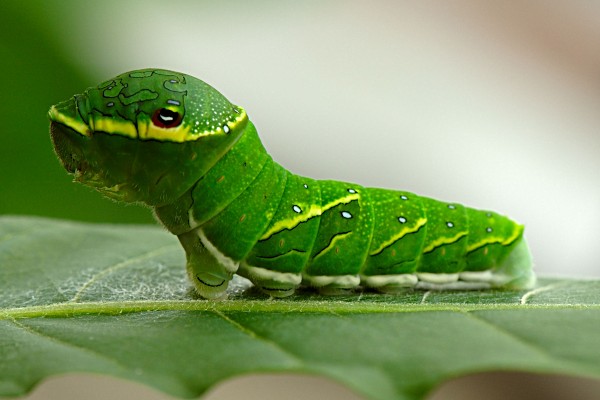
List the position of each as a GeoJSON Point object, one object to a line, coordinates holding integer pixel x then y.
{"type": "Point", "coordinates": [114, 299]}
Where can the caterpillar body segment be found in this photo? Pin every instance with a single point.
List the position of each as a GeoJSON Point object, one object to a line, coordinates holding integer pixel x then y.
{"type": "Point", "coordinates": [172, 142]}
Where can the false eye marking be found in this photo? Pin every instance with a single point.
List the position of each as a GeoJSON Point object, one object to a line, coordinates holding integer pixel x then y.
{"type": "Point", "coordinates": [165, 118]}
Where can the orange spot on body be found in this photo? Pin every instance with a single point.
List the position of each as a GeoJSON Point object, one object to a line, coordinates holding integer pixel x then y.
{"type": "Point", "coordinates": [281, 242]}
{"type": "Point", "coordinates": [337, 250]}
{"type": "Point", "coordinates": [486, 251]}
{"type": "Point", "coordinates": [443, 252]}
{"type": "Point", "coordinates": [221, 179]}
{"type": "Point", "coordinates": [393, 252]}
{"type": "Point", "coordinates": [243, 217]}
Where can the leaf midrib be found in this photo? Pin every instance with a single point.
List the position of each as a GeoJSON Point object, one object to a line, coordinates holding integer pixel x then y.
{"type": "Point", "coordinates": [69, 309]}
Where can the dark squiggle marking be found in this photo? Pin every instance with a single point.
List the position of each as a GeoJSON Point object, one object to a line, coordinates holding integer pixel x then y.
{"type": "Point", "coordinates": [329, 244]}
{"type": "Point", "coordinates": [139, 96]}
{"type": "Point", "coordinates": [275, 289]}
{"type": "Point", "coordinates": [208, 284]}
{"type": "Point", "coordinates": [395, 265]}
{"type": "Point", "coordinates": [280, 255]}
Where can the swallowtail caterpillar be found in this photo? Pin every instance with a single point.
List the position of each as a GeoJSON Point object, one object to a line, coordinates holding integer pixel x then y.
{"type": "Point", "coordinates": [174, 143]}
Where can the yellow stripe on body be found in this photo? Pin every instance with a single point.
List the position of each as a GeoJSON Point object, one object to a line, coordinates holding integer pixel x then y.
{"type": "Point", "coordinates": [334, 240]}
{"type": "Point", "coordinates": [313, 211]}
{"type": "Point", "coordinates": [442, 241]}
{"type": "Point", "coordinates": [420, 223]}
{"type": "Point", "coordinates": [497, 240]}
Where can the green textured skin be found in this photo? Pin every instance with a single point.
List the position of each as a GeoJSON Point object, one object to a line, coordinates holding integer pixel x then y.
{"type": "Point", "coordinates": [202, 168]}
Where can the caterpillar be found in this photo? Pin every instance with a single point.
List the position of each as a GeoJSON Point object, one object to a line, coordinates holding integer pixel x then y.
{"type": "Point", "coordinates": [174, 143]}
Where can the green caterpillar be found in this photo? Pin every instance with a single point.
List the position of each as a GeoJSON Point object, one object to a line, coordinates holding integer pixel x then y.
{"type": "Point", "coordinates": [174, 143]}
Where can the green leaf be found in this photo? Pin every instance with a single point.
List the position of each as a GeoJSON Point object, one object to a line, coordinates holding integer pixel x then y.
{"type": "Point", "coordinates": [115, 300]}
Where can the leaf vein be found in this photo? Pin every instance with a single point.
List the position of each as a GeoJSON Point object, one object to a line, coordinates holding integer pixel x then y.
{"type": "Point", "coordinates": [256, 336]}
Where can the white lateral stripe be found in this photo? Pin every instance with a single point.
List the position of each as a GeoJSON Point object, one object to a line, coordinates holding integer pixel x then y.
{"type": "Point", "coordinates": [191, 220]}
{"type": "Point", "coordinates": [228, 263]}
{"type": "Point", "coordinates": [265, 274]}
{"type": "Point", "coordinates": [437, 278]}
{"type": "Point", "coordinates": [399, 280]}
{"type": "Point", "coordinates": [477, 276]}
{"type": "Point", "coordinates": [458, 285]}
{"type": "Point", "coordinates": [348, 281]}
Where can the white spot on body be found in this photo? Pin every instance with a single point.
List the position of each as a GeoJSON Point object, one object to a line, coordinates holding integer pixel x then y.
{"type": "Point", "coordinates": [488, 230]}
{"type": "Point", "coordinates": [403, 197]}
{"type": "Point", "coordinates": [450, 224]}
{"type": "Point", "coordinates": [452, 206]}
{"type": "Point", "coordinates": [305, 186]}
{"type": "Point", "coordinates": [402, 220]}
{"type": "Point", "coordinates": [225, 128]}
{"type": "Point", "coordinates": [351, 191]}
{"type": "Point", "coordinates": [297, 209]}
{"type": "Point", "coordinates": [346, 214]}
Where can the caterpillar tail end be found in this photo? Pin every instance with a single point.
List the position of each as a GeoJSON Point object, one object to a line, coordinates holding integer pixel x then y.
{"type": "Point", "coordinates": [516, 269]}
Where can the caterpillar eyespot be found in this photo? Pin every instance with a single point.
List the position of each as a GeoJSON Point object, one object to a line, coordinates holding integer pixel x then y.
{"type": "Point", "coordinates": [236, 211]}
{"type": "Point", "coordinates": [165, 118]}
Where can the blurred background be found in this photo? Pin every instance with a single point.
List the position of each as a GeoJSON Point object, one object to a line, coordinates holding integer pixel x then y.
{"type": "Point", "coordinates": [490, 104]}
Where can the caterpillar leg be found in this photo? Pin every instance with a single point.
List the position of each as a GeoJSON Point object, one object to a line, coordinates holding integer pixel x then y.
{"type": "Point", "coordinates": [273, 283]}
{"type": "Point", "coordinates": [209, 270]}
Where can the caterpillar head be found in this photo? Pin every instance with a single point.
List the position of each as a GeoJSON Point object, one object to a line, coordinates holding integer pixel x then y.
{"type": "Point", "coordinates": [145, 135]}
